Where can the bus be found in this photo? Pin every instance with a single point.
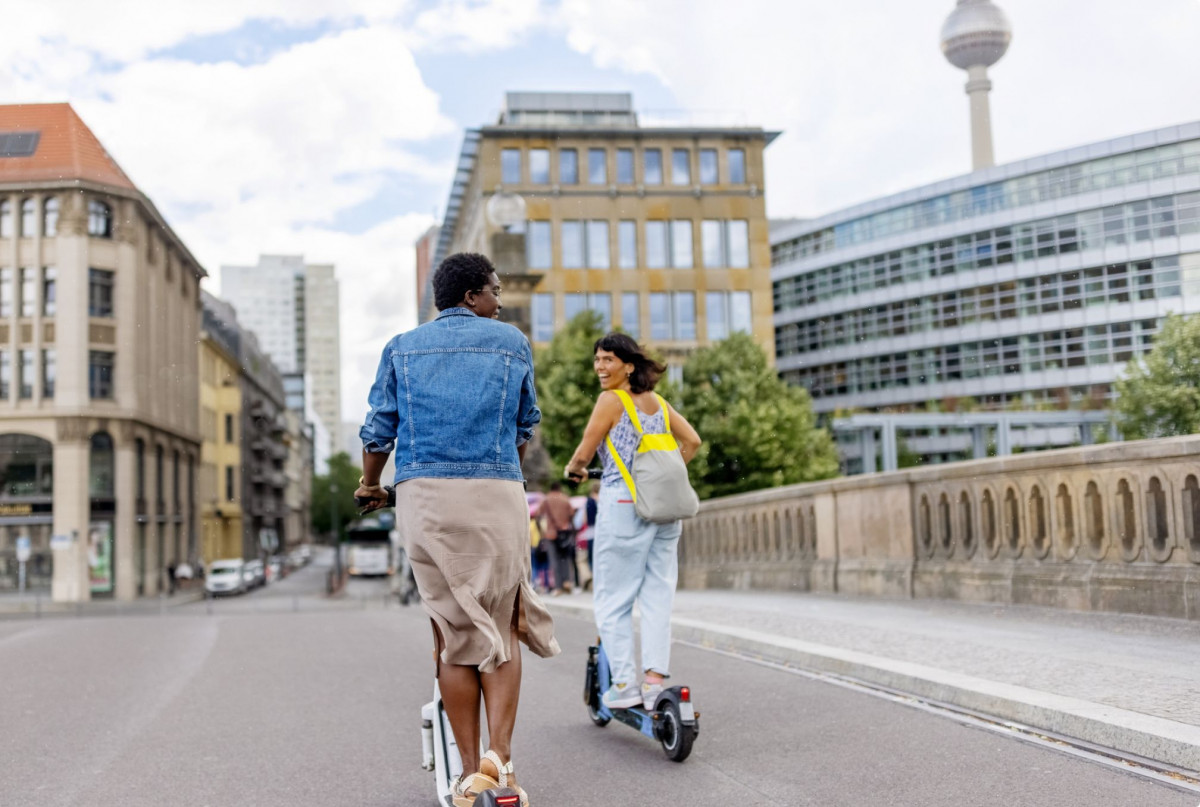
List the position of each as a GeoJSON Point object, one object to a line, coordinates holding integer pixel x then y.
{"type": "Point", "coordinates": [369, 548]}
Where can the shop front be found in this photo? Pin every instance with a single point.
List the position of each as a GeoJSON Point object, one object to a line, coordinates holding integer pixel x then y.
{"type": "Point", "coordinates": [26, 510]}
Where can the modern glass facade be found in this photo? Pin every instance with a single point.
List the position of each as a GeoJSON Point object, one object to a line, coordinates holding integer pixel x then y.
{"type": "Point", "coordinates": [1021, 284]}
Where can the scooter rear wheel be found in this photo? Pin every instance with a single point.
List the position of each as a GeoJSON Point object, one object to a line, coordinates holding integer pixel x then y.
{"type": "Point", "coordinates": [675, 737]}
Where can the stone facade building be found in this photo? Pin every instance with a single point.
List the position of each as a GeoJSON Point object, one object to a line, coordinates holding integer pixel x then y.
{"type": "Point", "coordinates": [99, 315]}
{"type": "Point", "coordinates": [221, 425]}
{"type": "Point", "coordinates": [662, 230]}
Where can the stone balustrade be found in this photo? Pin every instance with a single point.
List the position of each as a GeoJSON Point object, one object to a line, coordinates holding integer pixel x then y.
{"type": "Point", "coordinates": [1113, 527]}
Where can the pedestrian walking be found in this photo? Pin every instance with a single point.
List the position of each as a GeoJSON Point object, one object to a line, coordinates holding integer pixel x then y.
{"type": "Point", "coordinates": [635, 560]}
{"type": "Point", "coordinates": [559, 537]}
{"type": "Point", "coordinates": [458, 392]}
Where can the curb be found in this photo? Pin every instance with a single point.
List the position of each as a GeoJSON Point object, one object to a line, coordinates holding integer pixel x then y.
{"type": "Point", "coordinates": [1122, 730]}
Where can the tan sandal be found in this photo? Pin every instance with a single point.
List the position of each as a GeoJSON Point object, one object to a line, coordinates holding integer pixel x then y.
{"type": "Point", "coordinates": [467, 787]}
{"type": "Point", "coordinates": [504, 773]}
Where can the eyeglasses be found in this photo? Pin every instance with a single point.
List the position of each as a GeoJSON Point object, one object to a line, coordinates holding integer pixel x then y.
{"type": "Point", "coordinates": [495, 290]}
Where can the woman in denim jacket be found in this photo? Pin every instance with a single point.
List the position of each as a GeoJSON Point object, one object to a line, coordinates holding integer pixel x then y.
{"type": "Point", "coordinates": [455, 399]}
{"type": "Point", "coordinates": [634, 559]}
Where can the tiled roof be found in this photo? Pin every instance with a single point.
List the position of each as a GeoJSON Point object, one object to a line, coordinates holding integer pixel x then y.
{"type": "Point", "coordinates": [66, 148]}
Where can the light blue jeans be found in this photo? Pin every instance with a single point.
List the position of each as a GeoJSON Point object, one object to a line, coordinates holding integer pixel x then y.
{"type": "Point", "coordinates": [634, 561]}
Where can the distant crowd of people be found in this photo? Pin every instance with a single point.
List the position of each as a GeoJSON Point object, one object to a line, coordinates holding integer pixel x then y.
{"type": "Point", "coordinates": [560, 539]}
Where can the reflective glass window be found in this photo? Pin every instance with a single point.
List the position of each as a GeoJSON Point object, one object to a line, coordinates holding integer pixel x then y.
{"type": "Point", "coordinates": [627, 244]}
{"type": "Point", "coordinates": [685, 315]}
{"type": "Point", "coordinates": [738, 241]}
{"type": "Point", "coordinates": [597, 245]}
{"type": "Point", "coordinates": [572, 244]}
{"type": "Point", "coordinates": [568, 167]}
{"type": "Point", "coordinates": [708, 167]}
{"type": "Point", "coordinates": [542, 316]}
{"type": "Point", "coordinates": [539, 166]}
{"type": "Point", "coordinates": [625, 166]}
{"type": "Point", "coordinates": [740, 316]}
{"type": "Point", "coordinates": [737, 166]}
{"type": "Point", "coordinates": [510, 166]}
{"type": "Point", "coordinates": [681, 244]}
{"type": "Point", "coordinates": [712, 243]}
{"type": "Point", "coordinates": [652, 168]}
{"type": "Point", "coordinates": [537, 245]}
{"type": "Point", "coordinates": [631, 314]}
{"type": "Point", "coordinates": [716, 317]}
{"type": "Point", "coordinates": [681, 168]}
{"type": "Point", "coordinates": [660, 315]}
{"type": "Point", "coordinates": [597, 167]}
{"type": "Point", "coordinates": [656, 248]}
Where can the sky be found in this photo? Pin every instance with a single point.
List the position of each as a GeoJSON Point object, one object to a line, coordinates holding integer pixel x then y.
{"type": "Point", "coordinates": [331, 129]}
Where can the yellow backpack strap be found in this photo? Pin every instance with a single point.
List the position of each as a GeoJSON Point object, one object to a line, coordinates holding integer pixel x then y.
{"type": "Point", "coordinates": [666, 413]}
{"type": "Point", "coordinates": [630, 409]}
{"type": "Point", "coordinates": [612, 451]}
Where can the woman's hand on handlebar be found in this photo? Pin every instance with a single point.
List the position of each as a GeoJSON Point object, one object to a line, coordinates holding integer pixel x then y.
{"type": "Point", "coordinates": [370, 499]}
{"type": "Point", "coordinates": [576, 472]}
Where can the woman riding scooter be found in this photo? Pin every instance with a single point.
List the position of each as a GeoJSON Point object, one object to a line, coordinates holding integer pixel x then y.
{"type": "Point", "coordinates": [634, 559]}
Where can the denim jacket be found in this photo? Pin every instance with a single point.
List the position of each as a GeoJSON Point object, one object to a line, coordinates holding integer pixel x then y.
{"type": "Point", "coordinates": [455, 398]}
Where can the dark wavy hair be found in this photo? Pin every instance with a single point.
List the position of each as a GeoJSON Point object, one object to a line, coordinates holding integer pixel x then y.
{"type": "Point", "coordinates": [458, 274]}
{"type": "Point", "coordinates": [646, 371]}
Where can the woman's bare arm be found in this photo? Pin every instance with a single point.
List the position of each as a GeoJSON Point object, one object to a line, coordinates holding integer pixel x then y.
{"type": "Point", "coordinates": [605, 415]}
{"type": "Point", "coordinates": [685, 435]}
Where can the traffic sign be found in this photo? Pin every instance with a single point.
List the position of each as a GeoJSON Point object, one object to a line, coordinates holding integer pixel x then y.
{"type": "Point", "coordinates": [61, 541]}
{"type": "Point", "coordinates": [24, 550]}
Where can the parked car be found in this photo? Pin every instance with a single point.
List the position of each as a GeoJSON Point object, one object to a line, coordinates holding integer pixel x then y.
{"type": "Point", "coordinates": [296, 559]}
{"type": "Point", "coordinates": [275, 567]}
{"type": "Point", "coordinates": [254, 574]}
{"type": "Point", "coordinates": [225, 577]}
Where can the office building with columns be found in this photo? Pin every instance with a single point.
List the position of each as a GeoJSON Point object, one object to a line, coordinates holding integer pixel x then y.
{"type": "Point", "coordinates": [99, 316]}
{"type": "Point", "coordinates": [660, 229]}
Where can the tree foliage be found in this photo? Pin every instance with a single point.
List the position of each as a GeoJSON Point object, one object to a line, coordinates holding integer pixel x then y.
{"type": "Point", "coordinates": [567, 386]}
{"type": "Point", "coordinates": [344, 475]}
{"type": "Point", "coordinates": [758, 431]}
{"type": "Point", "coordinates": [1159, 393]}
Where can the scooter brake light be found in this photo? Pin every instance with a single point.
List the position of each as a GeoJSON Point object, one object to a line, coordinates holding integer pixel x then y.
{"type": "Point", "coordinates": [508, 801]}
{"type": "Point", "coordinates": [685, 694]}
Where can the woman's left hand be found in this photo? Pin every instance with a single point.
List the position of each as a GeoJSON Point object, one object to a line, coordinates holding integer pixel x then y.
{"type": "Point", "coordinates": [575, 471]}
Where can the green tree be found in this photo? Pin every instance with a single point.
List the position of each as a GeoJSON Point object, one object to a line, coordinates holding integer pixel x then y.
{"type": "Point", "coordinates": [567, 386]}
{"type": "Point", "coordinates": [758, 431]}
{"type": "Point", "coordinates": [1159, 393]}
{"type": "Point", "coordinates": [344, 475]}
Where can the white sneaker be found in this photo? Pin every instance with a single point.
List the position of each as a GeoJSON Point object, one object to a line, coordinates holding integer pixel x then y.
{"type": "Point", "coordinates": [650, 693]}
{"type": "Point", "coordinates": [621, 696]}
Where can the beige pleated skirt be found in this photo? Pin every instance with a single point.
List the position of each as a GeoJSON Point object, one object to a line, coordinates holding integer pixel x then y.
{"type": "Point", "coordinates": [468, 542]}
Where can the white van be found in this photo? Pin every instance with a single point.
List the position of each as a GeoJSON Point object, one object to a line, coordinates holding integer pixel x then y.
{"type": "Point", "coordinates": [225, 577]}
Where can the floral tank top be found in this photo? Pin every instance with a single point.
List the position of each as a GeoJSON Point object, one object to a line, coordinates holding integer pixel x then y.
{"type": "Point", "coordinates": [625, 439]}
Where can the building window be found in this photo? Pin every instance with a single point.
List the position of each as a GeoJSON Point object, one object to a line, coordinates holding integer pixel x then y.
{"type": "Point", "coordinates": [101, 481]}
{"type": "Point", "coordinates": [660, 315]}
{"type": "Point", "coordinates": [537, 245]}
{"type": "Point", "coordinates": [597, 245]}
{"type": "Point", "coordinates": [100, 374]}
{"type": "Point", "coordinates": [712, 243]}
{"type": "Point", "coordinates": [708, 167]}
{"type": "Point", "coordinates": [627, 244]}
{"type": "Point", "coordinates": [625, 166]}
{"type": "Point", "coordinates": [539, 166]}
{"type": "Point", "coordinates": [6, 292]}
{"type": "Point", "coordinates": [716, 317]}
{"type": "Point", "coordinates": [139, 453]}
{"type": "Point", "coordinates": [229, 492]}
{"type": "Point", "coordinates": [28, 218]}
{"type": "Point", "coordinates": [175, 483]}
{"type": "Point", "coordinates": [100, 219]}
{"type": "Point", "coordinates": [597, 167]}
{"type": "Point", "coordinates": [100, 293]}
{"type": "Point", "coordinates": [656, 244]}
{"type": "Point", "coordinates": [631, 314]}
{"type": "Point", "coordinates": [575, 303]}
{"type": "Point", "coordinates": [228, 428]}
{"type": "Point", "coordinates": [652, 167]}
{"type": "Point", "coordinates": [49, 372]}
{"type": "Point", "coordinates": [25, 389]}
{"type": "Point", "coordinates": [685, 315]}
{"type": "Point", "coordinates": [49, 291]}
{"type": "Point", "coordinates": [159, 477]}
{"type": "Point", "coordinates": [28, 291]}
{"type": "Point", "coordinates": [543, 317]}
{"type": "Point", "coordinates": [568, 167]}
{"type": "Point", "coordinates": [681, 169]}
{"type": "Point", "coordinates": [6, 219]}
{"type": "Point", "coordinates": [737, 241]}
{"type": "Point", "coordinates": [681, 244]}
{"type": "Point", "coordinates": [737, 166]}
{"type": "Point", "coordinates": [5, 374]}
{"type": "Point", "coordinates": [572, 244]}
{"type": "Point", "coordinates": [740, 316]}
{"type": "Point", "coordinates": [510, 166]}
{"type": "Point", "coordinates": [50, 217]}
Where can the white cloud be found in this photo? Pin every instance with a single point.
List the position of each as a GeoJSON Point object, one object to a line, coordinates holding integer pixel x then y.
{"type": "Point", "coordinates": [477, 24]}
{"type": "Point", "coordinates": [867, 103]}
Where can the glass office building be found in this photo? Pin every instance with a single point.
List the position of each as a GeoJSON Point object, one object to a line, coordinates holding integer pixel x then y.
{"type": "Point", "coordinates": [1021, 285]}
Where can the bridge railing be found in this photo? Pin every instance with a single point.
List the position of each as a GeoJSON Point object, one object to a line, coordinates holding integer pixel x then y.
{"type": "Point", "coordinates": [1113, 527]}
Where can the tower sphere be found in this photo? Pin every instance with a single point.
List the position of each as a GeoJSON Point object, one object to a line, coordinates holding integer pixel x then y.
{"type": "Point", "coordinates": [976, 34]}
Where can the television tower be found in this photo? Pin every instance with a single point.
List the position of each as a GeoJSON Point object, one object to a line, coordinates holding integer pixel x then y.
{"type": "Point", "coordinates": [974, 37]}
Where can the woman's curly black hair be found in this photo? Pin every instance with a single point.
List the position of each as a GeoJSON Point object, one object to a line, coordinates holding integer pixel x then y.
{"type": "Point", "coordinates": [458, 274]}
{"type": "Point", "coordinates": [646, 371]}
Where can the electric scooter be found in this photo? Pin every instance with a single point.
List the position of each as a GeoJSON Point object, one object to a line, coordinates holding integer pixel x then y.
{"type": "Point", "coordinates": [439, 750]}
{"type": "Point", "coordinates": [673, 721]}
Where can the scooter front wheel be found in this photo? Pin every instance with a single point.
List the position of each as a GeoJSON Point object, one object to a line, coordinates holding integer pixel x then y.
{"type": "Point", "coordinates": [597, 718]}
{"type": "Point", "coordinates": [675, 737]}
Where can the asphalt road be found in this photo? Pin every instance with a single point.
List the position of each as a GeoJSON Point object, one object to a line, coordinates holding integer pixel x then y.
{"type": "Point", "coordinates": [283, 698]}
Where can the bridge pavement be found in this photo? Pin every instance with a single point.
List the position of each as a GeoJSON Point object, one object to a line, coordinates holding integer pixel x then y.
{"type": "Point", "coordinates": [284, 697]}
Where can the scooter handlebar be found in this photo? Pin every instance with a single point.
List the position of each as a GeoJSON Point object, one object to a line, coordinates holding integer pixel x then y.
{"type": "Point", "coordinates": [362, 501]}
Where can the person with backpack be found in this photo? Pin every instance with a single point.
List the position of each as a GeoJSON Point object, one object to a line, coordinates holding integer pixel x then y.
{"type": "Point", "coordinates": [644, 445]}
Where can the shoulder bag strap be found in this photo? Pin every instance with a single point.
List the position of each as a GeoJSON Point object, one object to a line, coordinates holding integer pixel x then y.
{"type": "Point", "coordinates": [612, 449]}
